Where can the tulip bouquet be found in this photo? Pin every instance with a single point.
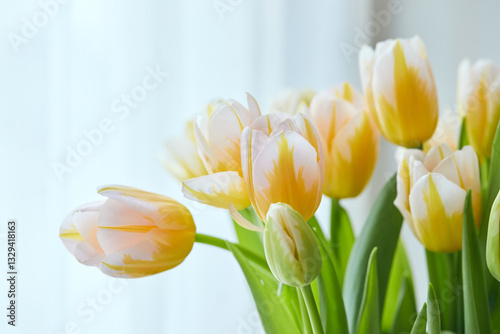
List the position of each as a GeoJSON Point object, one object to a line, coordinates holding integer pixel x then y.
{"type": "Point", "coordinates": [271, 170]}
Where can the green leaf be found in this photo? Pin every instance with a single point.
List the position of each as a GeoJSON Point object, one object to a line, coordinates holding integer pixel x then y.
{"type": "Point", "coordinates": [332, 308]}
{"type": "Point", "coordinates": [433, 313]}
{"type": "Point", "coordinates": [400, 269]}
{"type": "Point", "coordinates": [381, 230]}
{"type": "Point", "coordinates": [421, 323]}
{"type": "Point", "coordinates": [495, 315]}
{"type": "Point", "coordinates": [274, 312]}
{"type": "Point", "coordinates": [369, 314]}
{"type": "Point", "coordinates": [463, 140]}
{"type": "Point", "coordinates": [476, 310]}
{"type": "Point", "coordinates": [405, 310]}
{"type": "Point", "coordinates": [342, 238]}
{"type": "Point", "coordinates": [250, 239]}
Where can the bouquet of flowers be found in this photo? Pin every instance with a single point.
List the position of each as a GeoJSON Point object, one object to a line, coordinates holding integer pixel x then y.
{"type": "Point", "coordinates": [271, 170]}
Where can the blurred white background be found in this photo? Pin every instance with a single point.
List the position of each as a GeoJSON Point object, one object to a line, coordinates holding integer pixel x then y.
{"type": "Point", "coordinates": [62, 73]}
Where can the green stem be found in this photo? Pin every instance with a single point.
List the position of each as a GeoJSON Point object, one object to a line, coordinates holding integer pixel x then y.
{"type": "Point", "coordinates": [306, 322]}
{"type": "Point", "coordinates": [485, 176]}
{"type": "Point", "coordinates": [221, 243]}
{"type": "Point", "coordinates": [440, 277]}
{"type": "Point", "coordinates": [312, 309]}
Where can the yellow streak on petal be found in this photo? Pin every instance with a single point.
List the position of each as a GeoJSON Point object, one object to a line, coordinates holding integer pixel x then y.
{"type": "Point", "coordinates": [130, 228]}
{"type": "Point", "coordinates": [72, 234]}
{"type": "Point", "coordinates": [438, 231]}
{"type": "Point", "coordinates": [221, 198]}
{"type": "Point", "coordinates": [413, 119]}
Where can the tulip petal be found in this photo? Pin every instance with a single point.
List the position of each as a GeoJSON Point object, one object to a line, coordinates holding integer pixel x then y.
{"type": "Point", "coordinates": [269, 122]}
{"type": "Point", "coordinates": [181, 159]}
{"type": "Point", "coordinates": [435, 155]}
{"type": "Point", "coordinates": [242, 221]}
{"type": "Point", "coordinates": [437, 209]}
{"type": "Point", "coordinates": [287, 170]}
{"type": "Point", "coordinates": [160, 250]}
{"type": "Point", "coordinates": [219, 190]}
{"type": "Point", "coordinates": [253, 107]}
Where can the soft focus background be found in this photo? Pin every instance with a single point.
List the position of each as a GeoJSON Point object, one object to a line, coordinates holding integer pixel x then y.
{"type": "Point", "coordinates": [65, 66]}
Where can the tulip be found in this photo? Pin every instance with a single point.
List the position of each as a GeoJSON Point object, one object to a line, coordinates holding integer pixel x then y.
{"type": "Point", "coordinates": [293, 101]}
{"type": "Point", "coordinates": [218, 135]}
{"type": "Point", "coordinates": [493, 240]}
{"type": "Point", "coordinates": [400, 90]}
{"type": "Point", "coordinates": [349, 138]}
{"type": "Point", "coordinates": [431, 190]}
{"type": "Point", "coordinates": [479, 100]}
{"type": "Point", "coordinates": [447, 131]}
{"type": "Point", "coordinates": [291, 249]}
{"type": "Point", "coordinates": [133, 233]}
{"type": "Point", "coordinates": [181, 157]}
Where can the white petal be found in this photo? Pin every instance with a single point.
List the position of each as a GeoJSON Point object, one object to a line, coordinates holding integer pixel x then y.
{"type": "Point", "coordinates": [435, 155]}
{"type": "Point", "coordinates": [242, 221]}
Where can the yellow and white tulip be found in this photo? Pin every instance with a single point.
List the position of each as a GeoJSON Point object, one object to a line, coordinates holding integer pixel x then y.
{"type": "Point", "coordinates": [181, 157]}
{"type": "Point", "coordinates": [400, 90]}
{"type": "Point", "coordinates": [431, 194]}
{"type": "Point", "coordinates": [132, 234]}
{"type": "Point", "coordinates": [349, 139]}
{"type": "Point", "coordinates": [218, 135]}
{"type": "Point", "coordinates": [479, 101]}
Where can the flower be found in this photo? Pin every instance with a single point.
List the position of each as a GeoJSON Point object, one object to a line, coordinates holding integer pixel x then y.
{"type": "Point", "coordinates": [447, 131]}
{"type": "Point", "coordinates": [349, 138]}
{"type": "Point", "coordinates": [181, 157]}
{"type": "Point", "coordinates": [400, 90]}
{"type": "Point", "coordinates": [479, 100]}
{"type": "Point", "coordinates": [293, 101]}
{"type": "Point", "coordinates": [219, 136]}
{"type": "Point", "coordinates": [133, 233]}
{"type": "Point", "coordinates": [493, 240]}
{"type": "Point", "coordinates": [283, 162]}
{"type": "Point", "coordinates": [291, 249]}
{"type": "Point", "coordinates": [431, 194]}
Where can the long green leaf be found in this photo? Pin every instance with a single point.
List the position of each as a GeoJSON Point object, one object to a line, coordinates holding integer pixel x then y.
{"type": "Point", "coordinates": [274, 313]}
{"type": "Point", "coordinates": [381, 230]}
{"type": "Point", "coordinates": [369, 313]}
{"type": "Point", "coordinates": [476, 310]}
{"type": "Point", "coordinates": [406, 309]}
{"type": "Point", "coordinates": [400, 268]}
{"type": "Point", "coordinates": [342, 238]}
{"type": "Point", "coordinates": [441, 277]}
{"type": "Point", "coordinates": [421, 323]}
{"type": "Point", "coordinates": [433, 313]}
{"type": "Point", "coordinates": [331, 303]}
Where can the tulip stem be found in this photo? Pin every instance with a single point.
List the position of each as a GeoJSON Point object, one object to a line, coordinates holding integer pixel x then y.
{"type": "Point", "coordinates": [221, 243]}
{"type": "Point", "coordinates": [312, 309]}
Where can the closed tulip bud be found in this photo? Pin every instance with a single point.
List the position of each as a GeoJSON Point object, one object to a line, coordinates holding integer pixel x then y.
{"type": "Point", "coordinates": [181, 157]}
{"type": "Point", "coordinates": [493, 241]}
{"type": "Point", "coordinates": [400, 90]}
{"type": "Point", "coordinates": [133, 233]}
{"type": "Point", "coordinates": [349, 139]}
{"type": "Point", "coordinates": [479, 100]}
{"type": "Point", "coordinates": [431, 194]}
{"type": "Point", "coordinates": [293, 101]}
{"type": "Point", "coordinates": [292, 251]}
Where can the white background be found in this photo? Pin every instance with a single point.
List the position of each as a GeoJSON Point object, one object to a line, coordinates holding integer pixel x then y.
{"type": "Point", "coordinates": [65, 78]}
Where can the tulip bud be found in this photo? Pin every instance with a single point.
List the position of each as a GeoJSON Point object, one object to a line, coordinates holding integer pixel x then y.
{"type": "Point", "coordinates": [293, 101]}
{"type": "Point", "coordinates": [493, 241]}
{"type": "Point", "coordinates": [349, 139]}
{"type": "Point", "coordinates": [181, 157]}
{"type": "Point", "coordinates": [292, 251]}
{"type": "Point", "coordinates": [400, 90]}
{"type": "Point", "coordinates": [133, 233]}
{"type": "Point", "coordinates": [479, 101]}
{"type": "Point", "coordinates": [431, 194]}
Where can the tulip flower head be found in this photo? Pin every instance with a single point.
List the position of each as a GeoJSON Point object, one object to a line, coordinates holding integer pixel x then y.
{"type": "Point", "coordinates": [181, 157]}
{"type": "Point", "coordinates": [133, 233]}
{"type": "Point", "coordinates": [292, 251]}
{"type": "Point", "coordinates": [493, 240]}
{"type": "Point", "coordinates": [218, 135]}
{"type": "Point", "coordinates": [479, 100]}
{"type": "Point", "coordinates": [400, 90]}
{"type": "Point", "coordinates": [349, 139]}
{"type": "Point", "coordinates": [431, 194]}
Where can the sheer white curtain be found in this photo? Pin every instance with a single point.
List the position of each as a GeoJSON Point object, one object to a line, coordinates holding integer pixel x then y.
{"type": "Point", "coordinates": [65, 77]}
